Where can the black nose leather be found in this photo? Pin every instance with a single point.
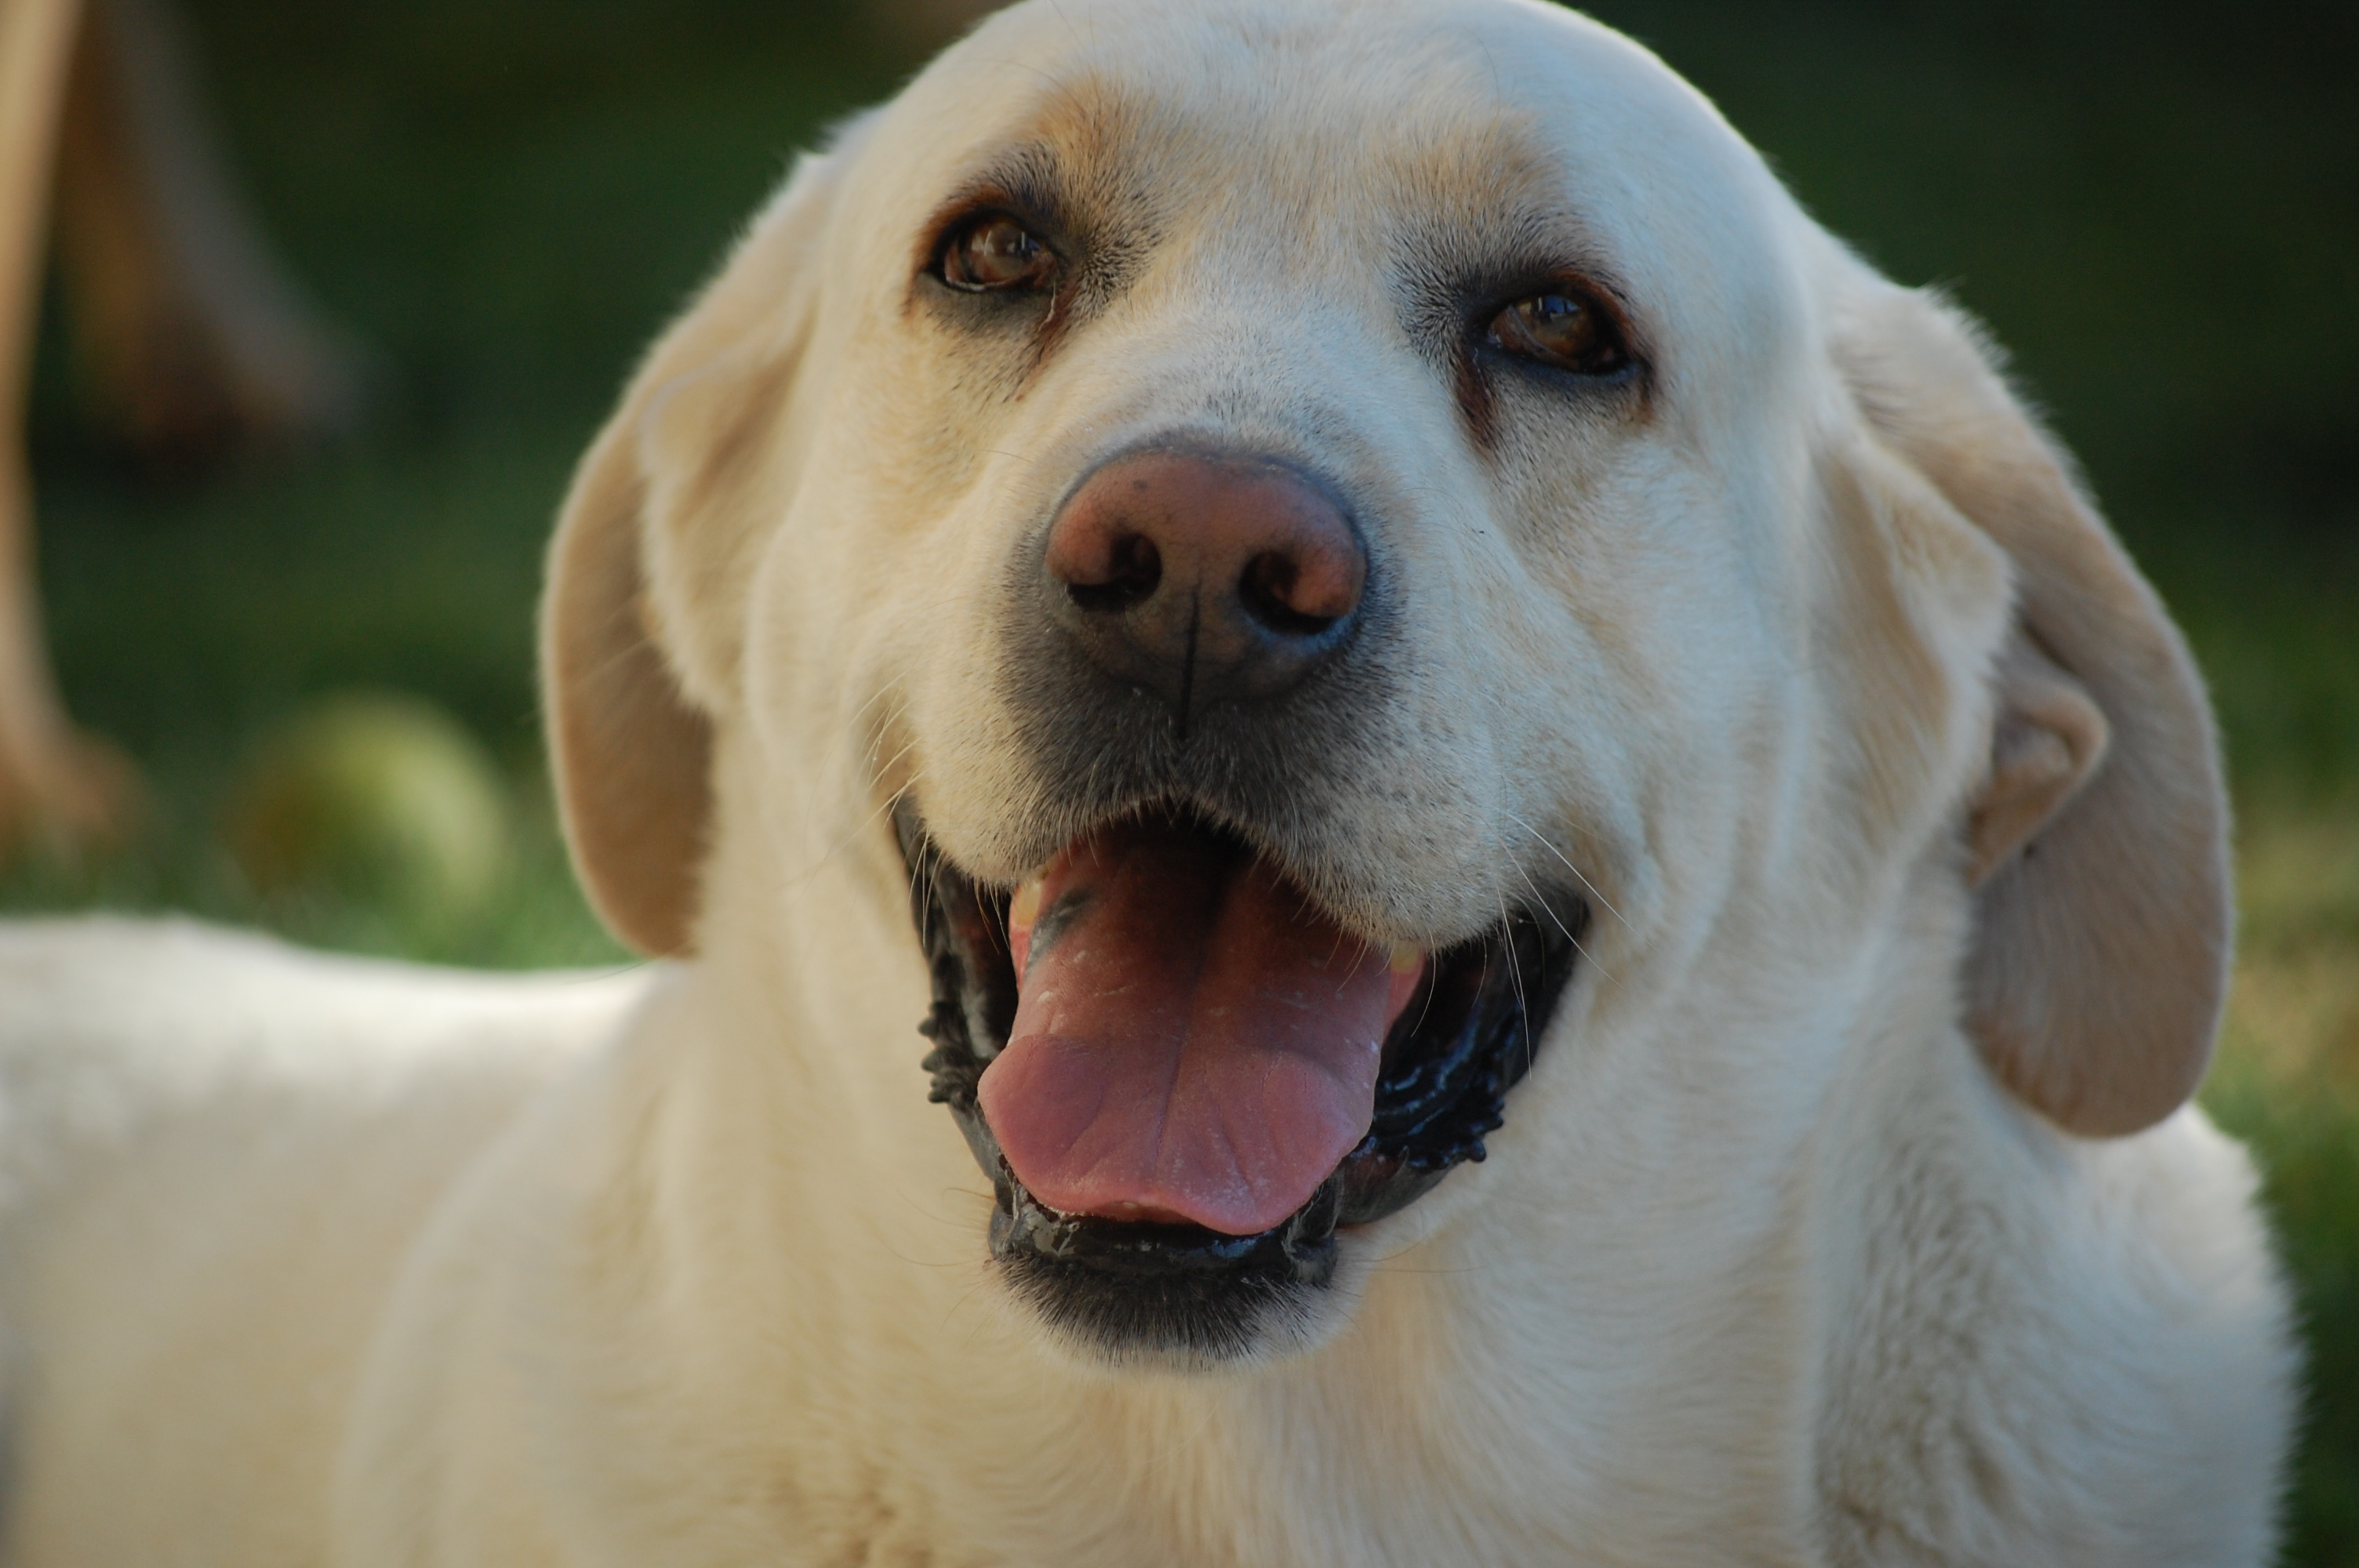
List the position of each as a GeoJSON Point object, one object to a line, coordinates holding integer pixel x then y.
{"type": "Point", "coordinates": [1204, 579]}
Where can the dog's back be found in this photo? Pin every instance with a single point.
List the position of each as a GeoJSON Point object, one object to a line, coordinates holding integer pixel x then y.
{"type": "Point", "coordinates": [229, 1143]}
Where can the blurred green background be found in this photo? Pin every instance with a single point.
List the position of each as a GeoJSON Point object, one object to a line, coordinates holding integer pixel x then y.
{"type": "Point", "coordinates": [2155, 207]}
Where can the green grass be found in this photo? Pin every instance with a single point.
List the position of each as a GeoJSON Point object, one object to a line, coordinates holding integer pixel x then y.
{"type": "Point", "coordinates": [188, 626]}
{"type": "Point", "coordinates": [2157, 211]}
{"type": "Point", "coordinates": [2288, 1080]}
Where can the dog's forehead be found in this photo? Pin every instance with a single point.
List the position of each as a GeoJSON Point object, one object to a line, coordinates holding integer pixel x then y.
{"type": "Point", "coordinates": [1323, 118]}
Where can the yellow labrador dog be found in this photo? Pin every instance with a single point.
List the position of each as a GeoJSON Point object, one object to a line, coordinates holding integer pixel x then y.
{"type": "Point", "coordinates": [1563, 895]}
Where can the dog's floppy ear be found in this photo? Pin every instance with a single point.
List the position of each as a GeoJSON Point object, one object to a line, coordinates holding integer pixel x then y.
{"type": "Point", "coordinates": [2097, 841]}
{"type": "Point", "coordinates": [647, 570]}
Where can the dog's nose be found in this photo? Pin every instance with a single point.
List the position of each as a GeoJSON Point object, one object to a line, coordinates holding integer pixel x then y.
{"type": "Point", "coordinates": [1205, 578]}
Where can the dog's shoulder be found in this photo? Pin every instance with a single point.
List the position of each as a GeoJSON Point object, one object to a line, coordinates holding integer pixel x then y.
{"type": "Point", "coordinates": [216, 1151]}
{"type": "Point", "coordinates": [2053, 1340]}
{"type": "Point", "coordinates": [107, 1025]}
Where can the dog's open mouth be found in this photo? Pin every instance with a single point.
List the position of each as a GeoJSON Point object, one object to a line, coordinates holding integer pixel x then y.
{"type": "Point", "coordinates": [1183, 1077]}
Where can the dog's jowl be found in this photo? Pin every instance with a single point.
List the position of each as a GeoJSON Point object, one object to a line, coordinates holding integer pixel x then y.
{"type": "Point", "coordinates": [1563, 899]}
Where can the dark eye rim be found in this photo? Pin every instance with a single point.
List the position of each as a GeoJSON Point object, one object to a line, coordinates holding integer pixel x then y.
{"type": "Point", "coordinates": [1631, 361]}
{"type": "Point", "coordinates": [966, 221]}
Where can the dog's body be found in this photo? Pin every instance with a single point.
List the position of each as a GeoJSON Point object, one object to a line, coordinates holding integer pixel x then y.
{"type": "Point", "coordinates": [1850, 1212]}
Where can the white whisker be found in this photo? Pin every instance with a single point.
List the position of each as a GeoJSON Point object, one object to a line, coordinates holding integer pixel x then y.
{"type": "Point", "coordinates": [1586, 955]}
{"type": "Point", "coordinates": [1569, 866]}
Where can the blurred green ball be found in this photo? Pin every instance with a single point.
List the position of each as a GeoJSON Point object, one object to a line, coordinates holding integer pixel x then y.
{"type": "Point", "coordinates": [379, 798]}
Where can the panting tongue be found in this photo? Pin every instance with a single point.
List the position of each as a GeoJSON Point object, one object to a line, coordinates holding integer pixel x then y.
{"type": "Point", "coordinates": [1193, 1040]}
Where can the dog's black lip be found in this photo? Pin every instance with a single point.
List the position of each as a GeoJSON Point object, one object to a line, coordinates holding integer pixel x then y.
{"type": "Point", "coordinates": [1464, 1040]}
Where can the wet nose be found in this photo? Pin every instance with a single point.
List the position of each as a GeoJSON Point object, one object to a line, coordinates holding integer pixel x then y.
{"type": "Point", "coordinates": [1205, 578]}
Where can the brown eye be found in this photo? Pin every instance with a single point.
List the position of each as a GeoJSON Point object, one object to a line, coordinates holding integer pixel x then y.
{"type": "Point", "coordinates": [996, 253]}
{"type": "Point", "coordinates": [1562, 327]}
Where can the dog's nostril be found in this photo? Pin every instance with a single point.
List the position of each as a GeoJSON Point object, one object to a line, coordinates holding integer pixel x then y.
{"type": "Point", "coordinates": [1131, 573]}
{"type": "Point", "coordinates": [1273, 593]}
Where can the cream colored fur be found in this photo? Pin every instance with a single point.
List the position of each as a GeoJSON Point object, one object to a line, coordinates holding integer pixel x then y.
{"type": "Point", "coordinates": [1851, 1215]}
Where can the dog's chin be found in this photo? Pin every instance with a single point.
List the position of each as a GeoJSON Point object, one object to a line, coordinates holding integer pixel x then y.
{"type": "Point", "coordinates": [1132, 1297]}
{"type": "Point", "coordinates": [1158, 1290]}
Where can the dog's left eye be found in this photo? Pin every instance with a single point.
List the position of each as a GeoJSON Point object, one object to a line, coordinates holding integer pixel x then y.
{"type": "Point", "coordinates": [994, 253]}
{"type": "Point", "coordinates": [1564, 327]}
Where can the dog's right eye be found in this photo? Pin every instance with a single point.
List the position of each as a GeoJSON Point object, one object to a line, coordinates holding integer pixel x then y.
{"type": "Point", "coordinates": [994, 253]}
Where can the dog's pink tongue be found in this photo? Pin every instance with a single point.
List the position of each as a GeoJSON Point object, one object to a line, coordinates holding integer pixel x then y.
{"type": "Point", "coordinates": [1193, 1040]}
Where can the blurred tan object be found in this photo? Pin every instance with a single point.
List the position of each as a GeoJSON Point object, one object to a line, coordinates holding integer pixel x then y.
{"type": "Point", "coordinates": [52, 779]}
{"type": "Point", "coordinates": [188, 337]}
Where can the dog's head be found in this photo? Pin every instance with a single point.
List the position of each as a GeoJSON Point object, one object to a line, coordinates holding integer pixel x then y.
{"type": "Point", "coordinates": [1348, 552]}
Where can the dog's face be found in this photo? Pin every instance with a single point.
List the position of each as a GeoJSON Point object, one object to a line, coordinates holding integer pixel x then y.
{"type": "Point", "coordinates": [1361, 550]}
